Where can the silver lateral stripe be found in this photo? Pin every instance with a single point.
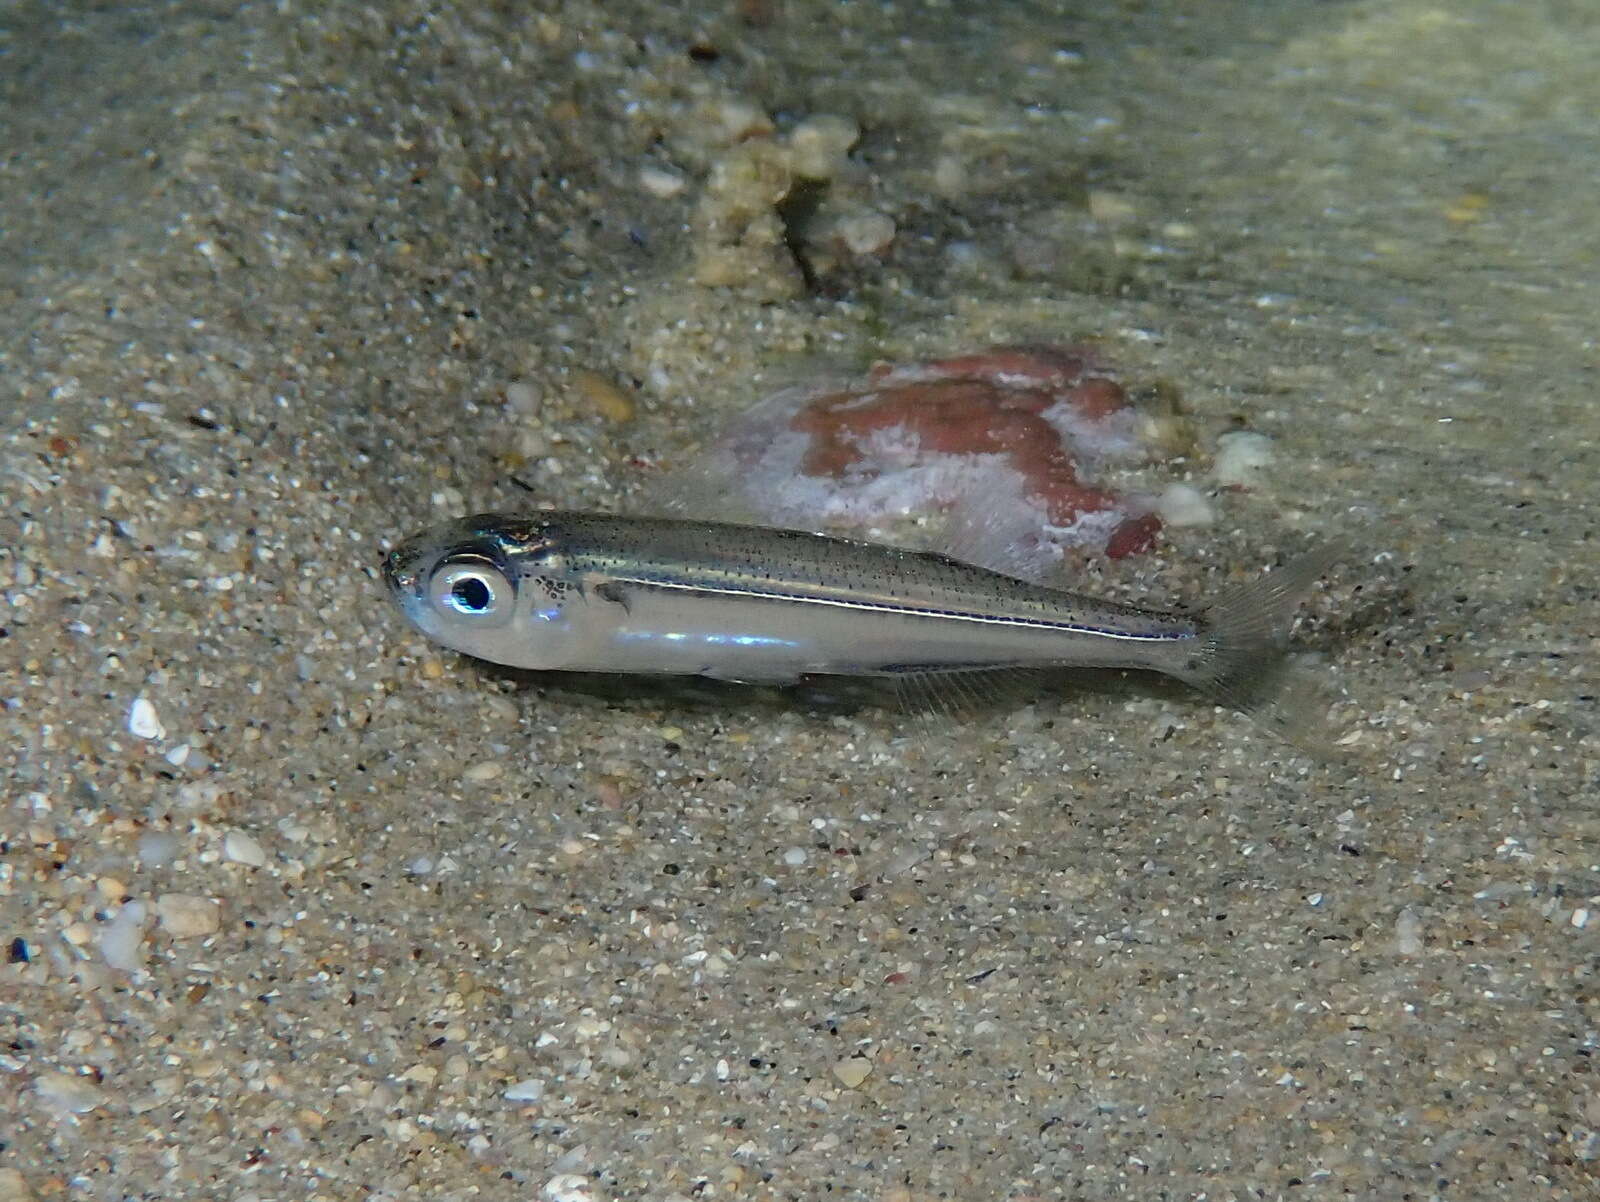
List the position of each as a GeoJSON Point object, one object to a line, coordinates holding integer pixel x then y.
{"type": "Point", "coordinates": [911, 611]}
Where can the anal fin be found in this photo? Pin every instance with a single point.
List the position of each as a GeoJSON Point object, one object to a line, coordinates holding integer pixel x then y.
{"type": "Point", "coordinates": [959, 692]}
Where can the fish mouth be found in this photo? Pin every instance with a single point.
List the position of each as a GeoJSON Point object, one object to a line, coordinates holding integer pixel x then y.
{"type": "Point", "coordinates": [400, 573]}
{"type": "Point", "coordinates": [395, 572]}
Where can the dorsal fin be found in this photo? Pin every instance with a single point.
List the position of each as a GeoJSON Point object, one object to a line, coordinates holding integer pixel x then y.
{"type": "Point", "coordinates": [1002, 530]}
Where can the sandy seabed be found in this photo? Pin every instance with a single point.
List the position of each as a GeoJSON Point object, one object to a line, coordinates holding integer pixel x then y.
{"type": "Point", "coordinates": [299, 907]}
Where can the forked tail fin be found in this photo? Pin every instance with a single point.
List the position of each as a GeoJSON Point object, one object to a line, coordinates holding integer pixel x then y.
{"type": "Point", "coordinates": [1241, 661]}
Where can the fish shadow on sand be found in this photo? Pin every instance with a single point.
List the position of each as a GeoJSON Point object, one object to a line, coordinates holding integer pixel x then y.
{"type": "Point", "coordinates": [827, 696]}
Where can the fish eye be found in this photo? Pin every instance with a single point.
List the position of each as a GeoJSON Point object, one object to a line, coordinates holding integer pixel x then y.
{"type": "Point", "coordinates": [473, 588]}
{"type": "Point", "coordinates": [471, 595]}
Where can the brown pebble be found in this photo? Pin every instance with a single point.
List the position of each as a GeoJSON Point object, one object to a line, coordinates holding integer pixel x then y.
{"type": "Point", "coordinates": [564, 112]}
{"type": "Point", "coordinates": [609, 792]}
{"type": "Point", "coordinates": [603, 396]}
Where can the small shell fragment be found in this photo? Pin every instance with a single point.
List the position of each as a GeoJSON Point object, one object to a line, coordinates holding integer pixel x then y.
{"type": "Point", "coordinates": [143, 721]}
{"type": "Point", "coordinates": [853, 1072]}
{"type": "Point", "coordinates": [244, 849]}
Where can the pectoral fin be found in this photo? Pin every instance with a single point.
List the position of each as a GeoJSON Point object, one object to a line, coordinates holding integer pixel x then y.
{"type": "Point", "coordinates": [614, 592]}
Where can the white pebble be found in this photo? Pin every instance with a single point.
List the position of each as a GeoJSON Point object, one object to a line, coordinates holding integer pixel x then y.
{"type": "Point", "coordinates": [1111, 208]}
{"type": "Point", "coordinates": [865, 233]}
{"type": "Point", "coordinates": [187, 916]}
{"type": "Point", "coordinates": [951, 178]}
{"type": "Point", "coordinates": [969, 259]}
{"type": "Point", "coordinates": [530, 1090]}
{"type": "Point", "coordinates": [568, 1187]}
{"type": "Point", "coordinates": [122, 939]}
{"type": "Point", "coordinates": [818, 146]}
{"type": "Point", "coordinates": [735, 121]}
{"type": "Point", "coordinates": [243, 849]}
{"type": "Point", "coordinates": [1181, 505]}
{"type": "Point", "coordinates": [1241, 456]}
{"type": "Point", "coordinates": [795, 857]}
{"type": "Point", "coordinates": [483, 772]}
{"type": "Point", "coordinates": [143, 722]}
{"type": "Point", "coordinates": [532, 444]}
{"type": "Point", "coordinates": [661, 183]}
{"type": "Point", "coordinates": [1408, 933]}
{"type": "Point", "coordinates": [523, 398]}
{"type": "Point", "coordinates": [157, 849]}
{"type": "Point", "coordinates": [67, 1093]}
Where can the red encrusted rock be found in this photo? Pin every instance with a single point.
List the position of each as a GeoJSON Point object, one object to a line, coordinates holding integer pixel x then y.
{"type": "Point", "coordinates": [1011, 426]}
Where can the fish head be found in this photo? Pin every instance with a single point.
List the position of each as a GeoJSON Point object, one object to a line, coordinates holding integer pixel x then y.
{"type": "Point", "coordinates": [491, 586]}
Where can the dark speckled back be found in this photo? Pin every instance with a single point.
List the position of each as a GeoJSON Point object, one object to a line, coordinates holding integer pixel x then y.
{"type": "Point", "coordinates": [797, 563]}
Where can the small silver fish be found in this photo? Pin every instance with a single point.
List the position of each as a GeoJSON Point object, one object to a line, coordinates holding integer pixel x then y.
{"type": "Point", "coordinates": [587, 592]}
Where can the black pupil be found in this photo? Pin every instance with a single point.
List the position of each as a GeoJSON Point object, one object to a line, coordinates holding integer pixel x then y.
{"type": "Point", "coordinates": [471, 593]}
